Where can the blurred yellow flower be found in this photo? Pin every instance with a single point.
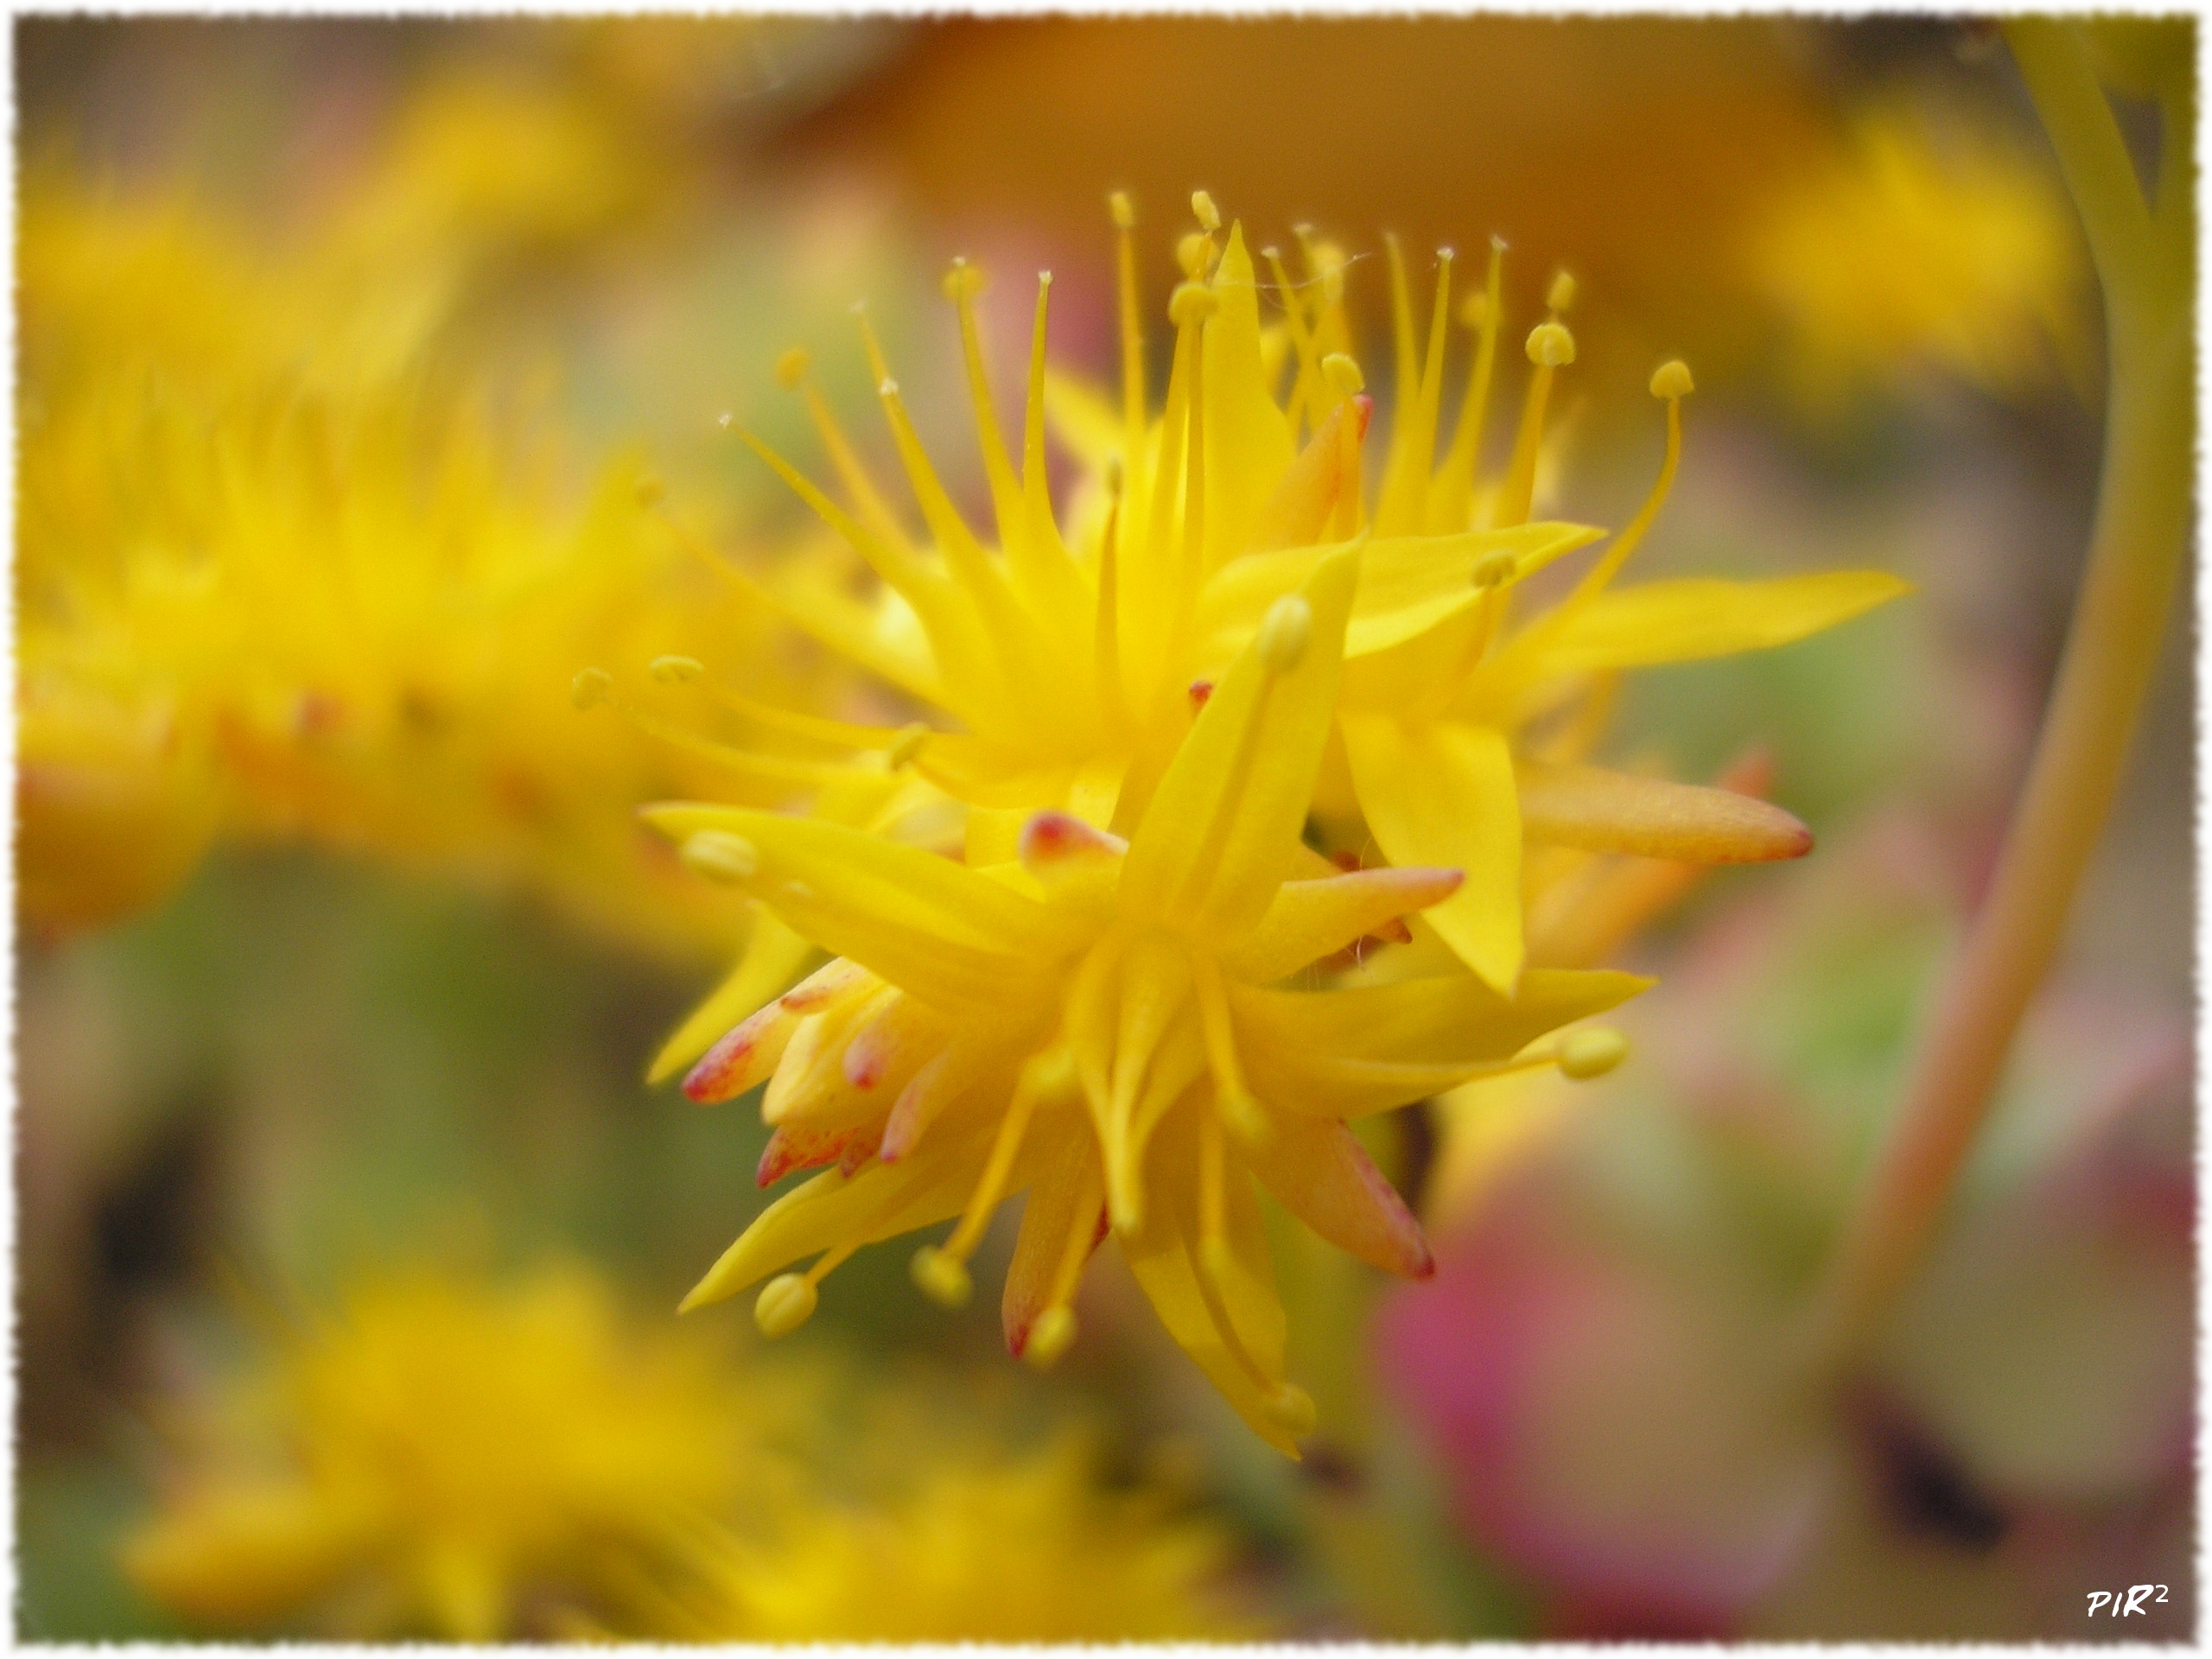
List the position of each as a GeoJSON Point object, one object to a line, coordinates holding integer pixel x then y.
{"type": "Point", "coordinates": [443, 1450]}
{"type": "Point", "coordinates": [1917, 249]}
{"type": "Point", "coordinates": [273, 584]}
{"type": "Point", "coordinates": [980, 1545]}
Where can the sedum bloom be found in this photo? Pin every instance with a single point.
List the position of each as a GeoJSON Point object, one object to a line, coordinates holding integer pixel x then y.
{"type": "Point", "coordinates": [983, 1546]}
{"type": "Point", "coordinates": [1093, 1006]}
{"type": "Point", "coordinates": [438, 1452]}
{"type": "Point", "coordinates": [1106, 1023]}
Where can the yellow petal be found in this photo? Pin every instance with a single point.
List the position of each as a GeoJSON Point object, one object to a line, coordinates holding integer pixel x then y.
{"type": "Point", "coordinates": [1310, 919]}
{"type": "Point", "coordinates": [749, 1053]}
{"type": "Point", "coordinates": [932, 927]}
{"type": "Point", "coordinates": [1084, 418]}
{"type": "Point", "coordinates": [246, 1554]}
{"type": "Point", "coordinates": [1343, 1053]}
{"type": "Point", "coordinates": [1603, 811]}
{"type": "Point", "coordinates": [1442, 794]}
{"type": "Point", "coordinates": [1248, 443]}
{"type": "Point", "coordinates": [1682, 621]}
{"type": "Point", "coordinates": [1221, 832]}
{"type": "Point", "coordinates": [1069, 1192]}
{"type": "Point", "coordinates": [1298, 511]}
{"type": "Point", "coordinates": [880, 1201]}
{"type": "Point", "coordinates": [1324, 1176]}
{"type": "Point", "coordinates": [773, 957]}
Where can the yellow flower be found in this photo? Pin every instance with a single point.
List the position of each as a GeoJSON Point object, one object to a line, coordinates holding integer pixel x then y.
{"type": "Point", "coordinates": [981, 1546]}
{"type": "Point", "coordinates": [1105, 1023]}
{"type": "Point", "coordinates": [440, 1450]}
{"type": "Point", "coordinates": [1917, 247]}
{"type": "Point", "coordinates": [268, 591]}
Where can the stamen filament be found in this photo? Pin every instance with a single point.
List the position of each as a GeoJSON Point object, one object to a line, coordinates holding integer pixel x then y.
{"type": "Point", "coordinates": [860, 485]}
{"type": "Point", "coordinates": [963, 283]}
{"type": "Point", "coordinates": [992, 1186]}
{"type": "Point", "coordinates": [1451, 498]}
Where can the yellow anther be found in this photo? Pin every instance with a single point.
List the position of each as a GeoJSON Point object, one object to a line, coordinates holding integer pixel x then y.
{"type": "Point", "coordinates": [649, 491]}
{"type": "Point", "coordinates": [1207, 214]}
{"type": "Point", "coordinates": [1190, 303]}
{"type": "Point", "coordinates": [1191, 254]}
{"type": "Point", "coordinates": [591, 688]}
{"type": "Point", "coordinates": [785, 1303]}
{"type": "Point", "coordinates": [1283, 633]}
{"type": "Point", "coordinates": [722, 856]}
{"type": "Point", "coordinates": [1343, 375]}
{"type": "Point", "coordinates": [1123, 210]}
{"type": "Point", "coordinates": [675, 670]}
{"type": "Point", "coordinates": [791, 369]}
{"type": "Point", "coordinates": [1243, 1116]}
{"type": "Point", "coordinates": [1550, 345]}
{"type": "Point", "coordinates": [908, 744]}
{"type": "Point", "coordinates": [1561, 296]}
{"type": "Point", "coordinates": [943, 1278]}
{"type": "Point", "coordinates": [1671, 379]}
{"type": "Point", "coordinates": [963, 281]}
{"type": "Point", "coordinates": [887, 387]}
{"type": "Point", "coordinates": [1586, 1054]}
{"type": "Point", "coordinates": [1474, 311]}
{"type": "Point", "coordinates": [1290, 1408]}
{"type": "Point", "coordinates": [1495, 569]}
{"type": "Point", "coordinates": [1052, 1335]}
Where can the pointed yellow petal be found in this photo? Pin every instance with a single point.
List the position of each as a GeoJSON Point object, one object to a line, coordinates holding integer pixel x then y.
{"type": "Point", "coordinates": [749, 1053]}
{"type": "Point", "coordinates": [1069, 1193]}
{"type": "Point", "coordinates": [773, 955]}
{"type": "Point", "coordinates": [881, 1201]}
{"type": "Point", "coordinates": [1324, 1176]}
{"type": "Point", "coordinates": [1248, 443]}
{"type": "Point", "coordinates": [1603, 811]}
{"type": "Point", "coordinates": [1442, 794]}
{"type": "Point", "coordinates": [935, 928]}
{"type": "Point", "coordinates": [1297, 512]}
{"type": "Point", "coordinates": [1221, 832]}
{"type": "Point", "coordinates": [1083, 418]}
{"type": "Point", "coordinates": [1310, 919]}
{"type": "Point", "coordinates": [1683, 621]}
{"type": "Point", "coordinates": [1305, 1049]}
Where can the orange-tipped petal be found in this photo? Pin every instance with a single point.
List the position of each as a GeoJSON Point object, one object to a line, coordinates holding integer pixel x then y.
{"type": "Point", "coordinates": [1324, 1176]}
{"type": "Point", "coordinates": [1604, 811]}
{"type": "Point", "coordinates": [1297, 512]}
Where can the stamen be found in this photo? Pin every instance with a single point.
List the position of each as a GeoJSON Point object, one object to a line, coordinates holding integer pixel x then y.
{"type": "Point", "coordinates": [1551, 347]}
{"type": "Point", "coordinates": [1054, 1330]}
{"type": "Point", "coordinates": [792, 372]}
{"type": "Point", "coordinates": [591, 687]}
{"type": "Point", "coordinates": [1307, 395]}
{"type": "Point", "coordinates": [675, 670]}
{"type": "Point", "coordinates": [1235, 1104]}
{"type": "Point", "coordinates": [1036, 483]}
{"type": "Point", "coordinates": [594, 687]}
{"type": "Point", "coordinates": [786, 1302]}
{"type": "Point", "coordinates": [1207, 214]}
{"type": "Point", "coordinates": [1401, 326]}
{"type": "Point", "coordinates": [844, 733]}
{"type": "Point", "coordinates": [1671, 383]}
{"type": "Point", "coordinates": [1450, 501]}
{"type": "Point", "coordinates": [1413, 439]}
{"type": "Point", "coordinates": [943, 1273]}
{"type": "Point", "coordinates": [1133, 421]}
{"type": "Point", "coordinates": [1345, 380]}
{"type": "Point", "coordinates": [1108, 635]}
{"type": "Point", "coordinates": [962, 285]}
{"type": "Point", "coordinates": [1283, 633]}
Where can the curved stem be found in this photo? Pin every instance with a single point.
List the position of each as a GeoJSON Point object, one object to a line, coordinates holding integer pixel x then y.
{"type": "Point", "coordinates": [2127, 587]}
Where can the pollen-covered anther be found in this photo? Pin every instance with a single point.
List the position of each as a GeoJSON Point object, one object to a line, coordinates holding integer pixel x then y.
{"type": "Point", "coordinates": [1474, 311]}
{"type": "Point", "coordinates": [1562, 294]}
{"type": "Point", "coordinates": [790, 371]}
{"type": "Point", "coordinates": [1551, 346]}
{"type": "Point", "coordinates": [942, 1277]}
{"type": "Point", "coordinates": [675, 670]}
{"type": "Point", "coordinates": [1122, 209]}
{"type": "Point", "coordinates": [1052, 1335]}
{"type": "Point", "coordinates": [1671, 380]}
{"type": "Point", "coordinates": [1343, 375]}
{"type": "Point", "coordinates": [1494, 569]}
{"type": "Point", "coordinates": [1190, 303]}
{"type": "Point", "coordinates": [1283, 633]}
{"type": "Point", "coordinates": [1586, 1054]}
{"type": "Point", "coordinates": [1191, 253]}
{"type": "Point", "coordinates": [1291, 1409]}
{"type": "Point", "coordinates": [591, 687]}
{"type": "Point", "coordinates": [1202, 209]}
{"type": "Point", "coordinates": [722, 856]}
{"type": "Point", "coordinates": [786, 1302]}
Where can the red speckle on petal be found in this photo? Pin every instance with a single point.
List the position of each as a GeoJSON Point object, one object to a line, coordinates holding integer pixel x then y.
{"type": "Point", "coordinates": [1200, 691]}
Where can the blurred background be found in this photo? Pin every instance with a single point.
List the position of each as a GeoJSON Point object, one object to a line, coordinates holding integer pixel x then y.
{"type": "Point", "coordinates": [345, 348]}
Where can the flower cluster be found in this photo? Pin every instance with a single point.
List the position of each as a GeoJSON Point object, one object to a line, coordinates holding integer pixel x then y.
{"type": "Point", "coordinates": [1157, 980]}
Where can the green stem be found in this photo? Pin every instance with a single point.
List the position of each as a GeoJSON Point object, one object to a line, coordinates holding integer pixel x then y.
{"type": "Point", "coordinates": [2135, 563]}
